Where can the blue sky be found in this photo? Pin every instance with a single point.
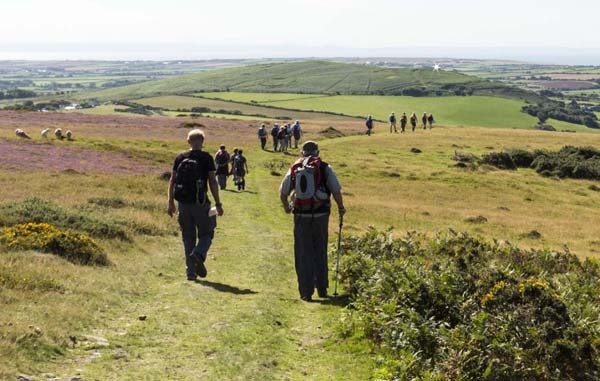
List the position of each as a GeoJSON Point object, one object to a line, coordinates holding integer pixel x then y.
{"type": "Point", "coordinates": [371, 24]}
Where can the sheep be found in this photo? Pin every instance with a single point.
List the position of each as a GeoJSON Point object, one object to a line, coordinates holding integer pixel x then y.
{"type": "Point", "coordinates": [21, 134]}
{"type": "Point", "coordinates": [69, 135]}
{"type": "Point", "coordinates": [58, 133]}
{"type": "Point", "coordinates": [45, 133]}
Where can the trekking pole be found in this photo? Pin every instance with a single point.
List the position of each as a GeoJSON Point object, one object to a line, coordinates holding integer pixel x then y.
{"type": "Point", "coordinates": [339, 251]}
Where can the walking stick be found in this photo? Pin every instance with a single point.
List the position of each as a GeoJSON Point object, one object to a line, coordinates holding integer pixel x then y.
{"type": "Point", "coordinates": [339, 250]}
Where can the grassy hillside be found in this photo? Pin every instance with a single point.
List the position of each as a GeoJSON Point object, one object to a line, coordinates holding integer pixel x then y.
{"type": "Point", "coordinates": [245, 321]}
{"type": "Point", "coordinates": [317, 77]}
{"type": "Point", "coordinates": [472, 111]}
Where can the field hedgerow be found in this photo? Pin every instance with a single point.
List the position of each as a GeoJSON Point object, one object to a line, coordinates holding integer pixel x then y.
{"type": "Point", "coordinates": [68, 244]}
{"type": "Point", "coordinates": [459, 307]}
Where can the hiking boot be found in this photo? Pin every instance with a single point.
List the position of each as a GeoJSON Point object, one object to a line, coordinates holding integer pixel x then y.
{"type": "Point", "coordinates": [200, 267]}
{"type": "Point", "coordinates": [322, 293]}
{"type": "Point", "coordinates": [306, 298]}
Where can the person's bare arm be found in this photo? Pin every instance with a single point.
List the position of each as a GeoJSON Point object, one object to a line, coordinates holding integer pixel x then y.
{"type": "Point", "coordinates": [171, 208]}
{"type": "Point", "coordinates": [214, 189]}
{"type": "Point", "coordinates": [285, 202]}
{"type": "Point", "coordinates": [339, 200]}
{"type": "Point", "coordinates": [246, 165]}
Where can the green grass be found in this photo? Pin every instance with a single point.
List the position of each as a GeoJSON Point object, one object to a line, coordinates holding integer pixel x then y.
{"type": "Point", "coordinates": [472, 111]}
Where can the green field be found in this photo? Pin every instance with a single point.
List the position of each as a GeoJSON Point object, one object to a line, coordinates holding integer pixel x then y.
{"type": "Point", "coordinates": [177, 102]}
{"type": "Point", "coordinates": [472, 111]}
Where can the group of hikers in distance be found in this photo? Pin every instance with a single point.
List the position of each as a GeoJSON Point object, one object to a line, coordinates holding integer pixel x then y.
{"type": "Point", "coordinates": [306, 191]}
{"type": "Point", "coordinates": [282, 136]}
{"type": "Point", "coordinates": [404, 119]}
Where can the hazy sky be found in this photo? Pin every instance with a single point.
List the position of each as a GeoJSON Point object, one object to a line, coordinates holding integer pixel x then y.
{"type": "Point", "coordinates": [306, 23]}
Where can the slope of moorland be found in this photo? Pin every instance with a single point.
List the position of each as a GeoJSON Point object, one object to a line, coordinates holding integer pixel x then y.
{"type": "Point", "coordinates": [317, 77]}
{"type": "Point", "coordinates": [140, 319]}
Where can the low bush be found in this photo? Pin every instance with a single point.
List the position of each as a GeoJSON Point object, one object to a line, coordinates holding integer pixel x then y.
{"type": "Point", "coordinates": [459, 307]}
{"type": "Point", "coordinates": [68, 244]}
{"type": "Point", "coordinates": [500, 160]}
{"type": "Point", "coordinates": [568, 162]}
{"type": "Point", "coordinates": [42, 211]}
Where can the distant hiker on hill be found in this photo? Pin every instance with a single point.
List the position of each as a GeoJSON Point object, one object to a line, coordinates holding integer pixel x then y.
{"type": "Point", "coordinates": [275, 135]}
{"type": "Point", "coordinates": [297, 133]}
{"type": "Point", "coordinates": [222, 161]}
{"type": "Point", "coordinates": [312, 183]}
{"type": "Point", "coordinates": [262, 136]}
{"type": "Point", "coordinates": [424, 120]}
{"type": "Point", "coordinates": [282, 138]}
{"type": "Point", "coordinates": [193, 175]}
{"type": "Point", "coordinates": [403, 122]}
{"type": "Point", "coordinates": [430, 121]}
{"type": "Point", "coordinates": [369, 124]}
{"type": "Point", "coordinates": [413, 121]}
{"type": "Point", "coordinates": [240, 168]}
{"type": "Point", "coordinates": [232, 161]}
{"type": "Point", "coordinates": [393, 123]}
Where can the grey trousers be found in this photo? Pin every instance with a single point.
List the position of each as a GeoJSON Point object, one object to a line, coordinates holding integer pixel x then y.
{"type": "Point", "coordinates": [310, 252]}
{"type": "Point", "coordinates": [197, 232]}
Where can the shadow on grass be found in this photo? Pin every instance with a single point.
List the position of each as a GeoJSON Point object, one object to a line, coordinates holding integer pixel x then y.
{"type": "Point", "coordinates": [227, 288]}
{"type": "Point", "coordinates": [339, 301]}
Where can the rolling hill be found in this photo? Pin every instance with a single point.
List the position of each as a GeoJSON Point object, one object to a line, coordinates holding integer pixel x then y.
{"type": "Point", "coordinates": [316, 77]}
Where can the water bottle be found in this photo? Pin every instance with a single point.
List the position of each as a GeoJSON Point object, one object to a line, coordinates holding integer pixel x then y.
{"type": "Point", "coordinates": [213, 212]}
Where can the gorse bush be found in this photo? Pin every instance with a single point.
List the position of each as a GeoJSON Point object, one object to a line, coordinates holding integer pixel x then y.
{"type": "Point", "coordinates": [568, 162]}
{"type": "Point", "coordinates": [459, 307]}
{"type": "Point", "coordinates": [68, 244]}
{"type": "Point", "coordinates": [90, 218]}
{"type": "Point", "coordinates": [43, 211]}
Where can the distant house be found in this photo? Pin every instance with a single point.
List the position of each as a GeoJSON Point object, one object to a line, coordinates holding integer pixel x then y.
{"type": "Point", "coordinates": [72, 106]}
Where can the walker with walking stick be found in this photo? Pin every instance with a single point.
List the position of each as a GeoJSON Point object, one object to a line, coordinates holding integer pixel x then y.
{"type": "Point", "coordinates": [339, 251]}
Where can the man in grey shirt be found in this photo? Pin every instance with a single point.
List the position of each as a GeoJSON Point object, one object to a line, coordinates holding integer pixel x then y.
{"type": "Point", "coordinates": [311, 218]}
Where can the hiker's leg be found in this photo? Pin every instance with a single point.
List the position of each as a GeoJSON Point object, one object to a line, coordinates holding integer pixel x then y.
{"type": "Point", "coordinates": [205, 229]}
{"type": "Point", "coordinates": [304, 255]}
{"type": "Point", "coordinates": [320, 238]}
{"type": "Point", "coordinates": [188, 235]}
{"type": "Point", "coordinates": [222, 179]}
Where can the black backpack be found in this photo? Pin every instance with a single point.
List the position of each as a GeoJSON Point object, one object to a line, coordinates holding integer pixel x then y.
{"type": "Point", "coordinates": [189, 186]}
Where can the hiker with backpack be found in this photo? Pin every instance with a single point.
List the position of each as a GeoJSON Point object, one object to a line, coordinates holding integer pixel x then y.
{"type": "Point", "coordinates": [430, 121]}
{"type": "Point", "coordinates": [413, 121]}
{"type": "Point", "coordinates": [222, 161]}
{"type": "Point", "coordinates": [403, 122]}
{"type": "Point", "coordinates": [297, 133]}
{"type": "Point", "coordinates": [311, 182]}
{"type": "Point", "coordinates": [424, 120]}
{"type": "Point", "coordinates": [232, 161]}
{"type": "Point", "coordinates": [369, 124]}
{"type": "Point", "coordinates": [393, 123]}
{"type": "Point", "coordinates": [275, 135]}
{"type": "Point", "coordinates": [262, 135]}
{"type": "Point", "coordinates": [240, 169]}
{"type": "Point", "coordinates": [194, 173]}
{"type": "Point", "coordinates": [282, 137]}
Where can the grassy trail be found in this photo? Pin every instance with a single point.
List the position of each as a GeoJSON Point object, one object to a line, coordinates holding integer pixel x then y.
{"type": "Point", "coordinates": [244, 322]}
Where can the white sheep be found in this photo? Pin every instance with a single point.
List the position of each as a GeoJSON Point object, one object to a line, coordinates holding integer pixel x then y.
{"type": "Point", "coordinates": [45, 133]}
{"type": "Point", "coordinates": [58, 133]}
{"type": "Point", "coordinates": [69, 135]}
{"type": "Point", "coordinates": [21, 134]}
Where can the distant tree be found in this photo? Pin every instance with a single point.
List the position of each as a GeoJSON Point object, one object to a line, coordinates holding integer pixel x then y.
{"type": "Point", "coordinates": [542, 117]}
